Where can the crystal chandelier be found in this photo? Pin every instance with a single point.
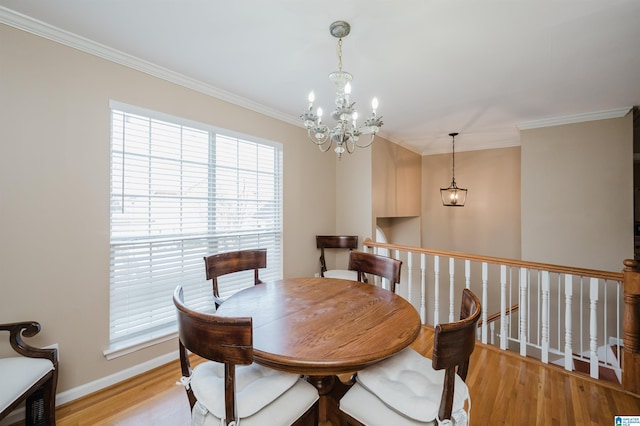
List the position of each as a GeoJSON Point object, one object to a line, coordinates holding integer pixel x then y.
{"type": "Point", "coordinates": [453, 196]}
{"type": "Point", "coordinates": [346, 133]}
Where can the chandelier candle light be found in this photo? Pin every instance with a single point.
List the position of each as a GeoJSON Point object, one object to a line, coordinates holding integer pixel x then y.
{"type": "Point", "coordinates": [346, 132]}
{"type": "Point", "coordinates": [453, 196]}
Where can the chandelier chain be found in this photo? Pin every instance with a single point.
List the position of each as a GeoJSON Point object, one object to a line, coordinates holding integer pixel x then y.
{"type": "Point", "coordinates": [340, 54]}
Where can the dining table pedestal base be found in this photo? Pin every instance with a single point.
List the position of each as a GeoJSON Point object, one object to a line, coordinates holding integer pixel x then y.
{"type": "Point", "coordinates": [331, 389]}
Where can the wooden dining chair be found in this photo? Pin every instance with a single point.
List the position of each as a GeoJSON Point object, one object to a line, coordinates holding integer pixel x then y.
{"type": "Point", "coordinates": [31, 377]}
{"type": "Point", "coordinates": [337, 242]}
{"type": "Point", "coordinates": [409, 389]}
{"type": "Point", "coordinates": [230, 388]}
{"type": "Point", "coordinates": [374, 264]}
{"type": "Point", "coordinates": [221, 264]}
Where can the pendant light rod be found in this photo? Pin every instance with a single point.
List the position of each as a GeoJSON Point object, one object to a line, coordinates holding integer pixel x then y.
{"type": "Point", "coordinates": [453, 157]}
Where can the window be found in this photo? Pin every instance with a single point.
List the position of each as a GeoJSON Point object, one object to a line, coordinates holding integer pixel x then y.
{"type": "Point", "coordinates": [181, 191]}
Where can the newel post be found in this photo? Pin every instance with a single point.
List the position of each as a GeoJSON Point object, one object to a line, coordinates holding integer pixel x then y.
{"type": "Point", "coordinates": [631, 327]}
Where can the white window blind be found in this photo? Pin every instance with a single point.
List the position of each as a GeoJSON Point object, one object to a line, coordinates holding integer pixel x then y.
{"type": "Point", "coordinates": [179, 193]}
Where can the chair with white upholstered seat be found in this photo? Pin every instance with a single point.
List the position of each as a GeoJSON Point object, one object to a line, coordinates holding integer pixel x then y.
{"type": "Point", "coordinates": [409, 389]}
{"type": "Point", "coordinates": [231, 262]}
{"type": "Point", "coordinates": [231, 389]}
{"type": "Point", "coordinates": [31, 377]}
{"type": "Point", "coordinates": [338, 242]}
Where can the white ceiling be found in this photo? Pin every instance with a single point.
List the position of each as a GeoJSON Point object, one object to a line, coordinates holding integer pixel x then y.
{"type": "Point", "coordinates": [481, 68]}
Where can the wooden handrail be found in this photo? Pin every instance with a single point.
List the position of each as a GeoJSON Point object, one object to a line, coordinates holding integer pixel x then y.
{"type": "Point", "coordinates": [496, 316]}
{"type": "Point", "coordinates": [605, 275]}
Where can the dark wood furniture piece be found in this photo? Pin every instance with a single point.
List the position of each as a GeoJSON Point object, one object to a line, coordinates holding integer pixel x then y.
{"type": "Point", "coordinates": [375, 264]}
{"type": "Point", "coordinates": [453, 344]}
{"type": "Point", "coordinates": [321, 327]}
{"type": "Point", "coordinates": [231, 262]}
{"type": "Point", "coordinates": [229, 340]}
{"type": "Point", "coordinates": [452, 347]}
{"type": "Point", "coordinates": [348, 242]}
{"type": "Point", "coordinates": [38, 385]}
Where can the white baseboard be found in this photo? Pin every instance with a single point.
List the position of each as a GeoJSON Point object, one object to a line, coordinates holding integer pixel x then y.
{"type": "Point", "coordinates": [83, 390]}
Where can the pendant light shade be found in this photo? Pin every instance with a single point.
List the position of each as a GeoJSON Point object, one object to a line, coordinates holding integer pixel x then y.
{"type": "Point", "coordinates": [453, 196]}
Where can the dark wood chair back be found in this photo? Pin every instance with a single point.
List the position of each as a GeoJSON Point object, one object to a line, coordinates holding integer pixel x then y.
{"type": "Point", "coordinates": [452, 346]}
{"type": "Point", "coordinates": [41, 397]}
{"type": "Point", "coordinates": [375, 264]}
{"type": "Point", "coordinates": [235, 261]}
{"type": "Point", "coordinates": [226, 340]}
{"type": "Point", "coordinates": [349, 242]}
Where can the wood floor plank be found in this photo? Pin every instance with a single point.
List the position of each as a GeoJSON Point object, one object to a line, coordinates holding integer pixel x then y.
{"type": "Point", "coordinates": [505, 389]}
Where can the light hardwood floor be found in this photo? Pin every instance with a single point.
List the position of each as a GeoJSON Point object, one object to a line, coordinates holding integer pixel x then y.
{"type": "Point", "coordinates": [505, 390]}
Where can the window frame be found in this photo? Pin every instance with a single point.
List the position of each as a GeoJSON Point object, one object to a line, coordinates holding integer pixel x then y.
{"type": "Point", "coordinates": [232, 239]}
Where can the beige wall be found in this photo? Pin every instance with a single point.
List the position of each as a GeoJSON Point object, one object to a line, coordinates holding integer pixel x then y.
{"type": "Point", "coordinates": [54, 191]}
{"type": "Point", "coordinates": [577, 186]}
{"type": "Point", "coordinates": [489, 223]}
{"type": "Point", "coordinates": [353, 194]}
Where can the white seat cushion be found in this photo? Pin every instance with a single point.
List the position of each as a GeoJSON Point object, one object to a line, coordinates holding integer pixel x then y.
{"type": "Point", "coordinates": [343, 274]}
{"type": "Point", "coordinates": [369, 410]}
{"type": "Point", "coordinates": [408, 384]}
{"type": "Point", "coordinates": [283, 411]}
{"type": "Point", "coordinates": [18, 375]}
{"type": "Point", "coordinates": [256, 388]}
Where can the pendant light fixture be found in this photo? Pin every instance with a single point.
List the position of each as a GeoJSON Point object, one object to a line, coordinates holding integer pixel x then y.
{"type": "Point", "coordinates": [453, 196]}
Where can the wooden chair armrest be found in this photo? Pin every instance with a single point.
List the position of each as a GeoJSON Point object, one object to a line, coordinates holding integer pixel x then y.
{"type": "Point", "coordinates": [28, 329]}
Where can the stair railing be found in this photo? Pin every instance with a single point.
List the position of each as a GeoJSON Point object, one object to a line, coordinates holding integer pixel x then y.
{"type": "Point", "coordinates": [569, 316]}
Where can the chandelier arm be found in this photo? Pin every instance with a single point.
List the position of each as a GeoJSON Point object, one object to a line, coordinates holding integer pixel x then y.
{"type": "Point", "coordinates": [312, 137]}
{"type": "Point", "coordinates": [353, 146]}
{"type": "Point", "coordinates": [320, 147]}
{"type": "Point", "coordinates": [367, 145]}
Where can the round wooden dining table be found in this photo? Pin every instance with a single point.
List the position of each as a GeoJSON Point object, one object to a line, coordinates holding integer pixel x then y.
{"type": "Point", "coordinates": [322, 327]}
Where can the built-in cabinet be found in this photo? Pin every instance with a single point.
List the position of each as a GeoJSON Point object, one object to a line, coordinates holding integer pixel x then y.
{"type": "Point", "coordinates": [396, 181]}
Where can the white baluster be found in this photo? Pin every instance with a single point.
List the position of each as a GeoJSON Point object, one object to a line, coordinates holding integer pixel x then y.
{"type": "Point", "coordinates": [568, 344]}
{"type": "Point", "coordinates": [423, 287]}
{"type": "Point", "coordinates": [593, 333]}
{"type": "Point", "coordinates": [545, 317]}
{"type": "Point", "coordinates": [503, 307]}
{"type": "Point", "coordinates": [436, 295]}
{"type": "Point", "coordinates": [523, 311]}
{"type": "Point", "coordinates": [467, 273]}
{"type": "Point", "coordinates": [452, 275]}
{"type": "Point", "coordinates": [485, 301]}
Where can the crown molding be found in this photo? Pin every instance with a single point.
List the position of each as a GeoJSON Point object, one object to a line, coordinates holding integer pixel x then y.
{"type": "Point", "coordinates": [577, 118]}
{"type": "Point", "coordinates": [42, 29]}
